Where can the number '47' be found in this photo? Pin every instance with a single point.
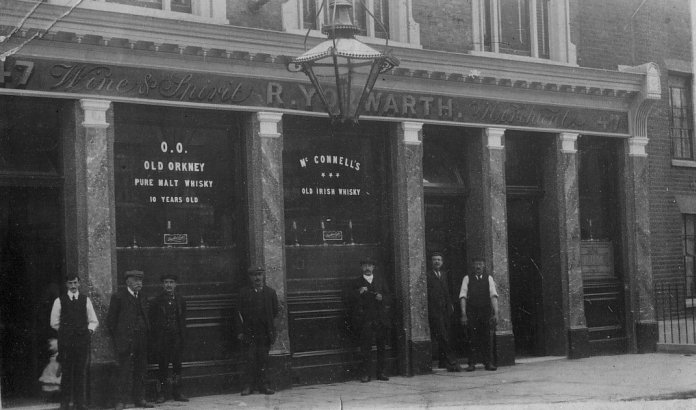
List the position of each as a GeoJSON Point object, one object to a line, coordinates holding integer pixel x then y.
{"type": "Point", "coordinates": [16, 76]}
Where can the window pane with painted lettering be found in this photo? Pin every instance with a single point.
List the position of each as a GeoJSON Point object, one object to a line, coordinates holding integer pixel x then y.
{"type": "Point", "coordinates": [175, 173]}
{"type": "Point", "coordinates": [334, 186]}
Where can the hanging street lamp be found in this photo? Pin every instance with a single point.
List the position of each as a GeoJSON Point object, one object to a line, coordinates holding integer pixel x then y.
{"type": "Point", "coordinates": [344, 61]}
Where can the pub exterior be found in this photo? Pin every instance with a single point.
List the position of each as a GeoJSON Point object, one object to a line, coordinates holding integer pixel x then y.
{"type": "Point", "coordinates": [175, 140]}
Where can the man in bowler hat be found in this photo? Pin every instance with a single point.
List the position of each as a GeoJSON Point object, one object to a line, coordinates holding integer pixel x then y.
{"type": "Point", "coordinates": [440, 311]}
{"type": "Point", "coordinates": [168, 320]}
{"type": "Point", "coordinates": [257, 308]}
{"type": "Point", "coordinates": [129, 325]}
{"type": "Point", "coordinates": [369, 299]}
{"type": "Point", "coordinates": [479, 301]}
{"type": "Point", "coordinates": [74, 318]}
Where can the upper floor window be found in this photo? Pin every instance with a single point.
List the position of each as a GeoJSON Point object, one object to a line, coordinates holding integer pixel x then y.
{"type": "Point", "coordinates": [376, 18]}
{"type": "Point", "coordinates": [681, 120]}
{"type": "Point", "coordinates": [527, 28]}
{"type": "Point", "coordinates": [214, 11]}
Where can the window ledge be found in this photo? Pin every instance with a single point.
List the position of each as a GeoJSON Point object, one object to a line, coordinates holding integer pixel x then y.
{"type": "Point", "coordinates": [686, 163]}
{"type": "Point", "coordinates": [512, 57]}
{"type": "Point", "coordinates": [367, 40]}
{"type": "Point", "coordinates": [146, 12]}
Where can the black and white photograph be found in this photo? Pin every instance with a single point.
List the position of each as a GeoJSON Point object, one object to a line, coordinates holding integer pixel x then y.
{"type": "Point", "coordinates": [347, 204]}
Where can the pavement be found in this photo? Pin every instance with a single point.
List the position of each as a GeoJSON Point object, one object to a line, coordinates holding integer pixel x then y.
{"type": "Point", "coordinates": [647, 381]}
{"type": "Point", "coordinates": [655, 381]}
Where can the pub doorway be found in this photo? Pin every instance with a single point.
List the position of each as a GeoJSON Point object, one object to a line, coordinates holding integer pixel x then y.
{"type": "Point", "coordinates": [445, 232]}
{"type": "Point", "coordinates": [31, 265]}
{"type": "Point", "coordinates": [31, 241]}
{"type": "Point", "coordinates": [524, 156]}
{"type": "Point", "coordinates": [445, 191]}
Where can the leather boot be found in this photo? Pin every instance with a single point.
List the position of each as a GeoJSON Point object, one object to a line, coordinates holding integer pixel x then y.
{"type": "Point", "coordinates": [264, 389]}
{"type": "Point", "coordinates": [176, 389]}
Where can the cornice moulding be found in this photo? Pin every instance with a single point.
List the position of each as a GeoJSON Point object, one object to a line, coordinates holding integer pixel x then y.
{"type": "Point", "coordinates": [159, 38]}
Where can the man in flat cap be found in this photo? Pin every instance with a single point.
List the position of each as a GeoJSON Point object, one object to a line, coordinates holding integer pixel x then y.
{"type": "Point", "coordinates": [479, 301]}
{"type": "Point", "coordinates": [128, 323]}
{"type": "Point", "coordinates": [368, 299]}
{"type": "Point", "coordinates": [168, 320]}
{"type": "Point", "coordinates": [257, 309]}
{"type": "Point", "coordinates": [74, 318]}
{"type": "Point", "coordinates": [440, 311]}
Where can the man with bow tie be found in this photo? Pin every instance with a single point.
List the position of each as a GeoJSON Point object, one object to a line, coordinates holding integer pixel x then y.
{"type": "Point", "coordinates": [479, 301]}
{"type": "Point", "coordinates": [369, 299]}
{"type": "Point", "coordinates": [74, 318]}
{"type": "Point", "coordinates": [129, 325]}
{"type": "Point", "coordinates": [168, 319]}
{"type": "Point", "coordinates": [440, 310]}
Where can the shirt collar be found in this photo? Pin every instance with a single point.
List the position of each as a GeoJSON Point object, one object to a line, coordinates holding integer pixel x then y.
{"type": "Point", "coordinates": [76, 294]}
{"type": "Point", "coordinates": [369, 278]}
{"type": "Point", "coordinates": [130, 291]}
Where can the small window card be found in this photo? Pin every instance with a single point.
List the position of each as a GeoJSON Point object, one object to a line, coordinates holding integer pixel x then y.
{"type": "Point", "coordinates": [333, 235]}
{"type": "Point", "coordinates": [175, 239]}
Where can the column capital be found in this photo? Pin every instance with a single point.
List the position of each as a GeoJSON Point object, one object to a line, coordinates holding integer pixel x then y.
{"type": "Point", "coordinates": [568, 140]}
{"type": "Point", "coordinates": [95, 113]}
{"type": "Point", "coordinates": [636, 146]}
{"type": "Point", "coordinates": [495, 138]}
{"type": "Point", "coordinates": [412, 132]}
{"type": "Point", "coordinates": [268, 123]}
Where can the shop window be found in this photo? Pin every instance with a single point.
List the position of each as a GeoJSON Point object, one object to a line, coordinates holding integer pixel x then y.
{"type": "Point", "coordinates": [334, 188]}
{"type": "Point", "coordinates": [523, 155]}
{"type": "Point", "coordinates": [175, 179]}
{"type": "Point", "coordinates": [681, 120]}
{"type": "Point", "coordinates": [205, 10]}
{"type": "Point", "coordinates": [597, 170]}
{"type": "Point", "coordinates": [444, 164]}
{"type": "Point", "coordinates": [689, 253]}
{"type": "Point", "coordinates": [391, 19]}
{"type": "Point", "coordinates": [527, 28]}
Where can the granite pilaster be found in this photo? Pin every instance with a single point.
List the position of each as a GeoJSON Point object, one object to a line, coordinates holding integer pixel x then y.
{"type": "Point", "coordinates": [637, 231]}
{"type": "Point", "coordinates": [487, 227]}
{"type": "Point", "coordinates": [566, 329]}
{"type": "Point", "coordinates": [266, 182]}
{"type": "Point", "coordinates": [409, 234]}
{"type": "Point", "coordinates": [90, 220]}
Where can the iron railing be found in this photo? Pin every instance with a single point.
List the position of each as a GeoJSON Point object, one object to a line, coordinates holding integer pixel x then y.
{"type": "Point", "coordinates": [675, 305]}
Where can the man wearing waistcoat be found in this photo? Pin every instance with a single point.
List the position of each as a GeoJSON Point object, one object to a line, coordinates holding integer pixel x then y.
{"type": "Point", "coordinates": [479, 301]}
{"type": "Point", "coordinates": [168, 320]}
{"type": "Point", "coordinates": [74, 318]}
{"type": "Point", "coordinates": [440, 310]}
{"type": "Point", "coordinates": [369, 298]}
{"type": "Point", "coordinates": [128, 324]}
{"type": "Point", "coordinates": [257, 309]}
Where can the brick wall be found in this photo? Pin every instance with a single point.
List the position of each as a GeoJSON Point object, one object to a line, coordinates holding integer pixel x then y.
{"type": "Point", "coordinates": [608, 34]}
{"type": "Point", "coordinates": [444, 24]}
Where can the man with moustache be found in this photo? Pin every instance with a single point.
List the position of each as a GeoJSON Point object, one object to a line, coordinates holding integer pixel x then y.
{"type": "Point", "coordinates": [479, 301]}
{"type": "Point", "coordinates": [440, 310]}
{"type": "Point", "coordinates": [168, 319]}
{"type": "Point", "coordinates": [257, 309]}
{"type": "Point", "coordinates": [369, 298]}
{"type": "Point", "coordinates": [74, 318]}
{"type": "Point", "coordinates": [129, 325]}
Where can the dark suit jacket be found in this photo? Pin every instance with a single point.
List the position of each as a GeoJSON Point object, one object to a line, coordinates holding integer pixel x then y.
{"type": "Point", "coordinates": [439, 297]}
{"type": "Point", "coordinates": [366, 307]}
{"type": "Point", "coordinates": [122, 318]}
{"type": "Point", "coordinates": [244, 311]}
{"type": "Point", "coordinates": [158, 317]}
